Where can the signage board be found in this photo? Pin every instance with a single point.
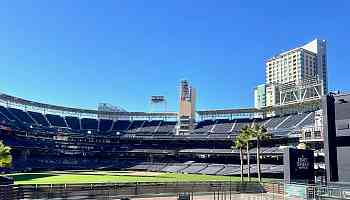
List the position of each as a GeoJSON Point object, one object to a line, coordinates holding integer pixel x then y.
{"type": "Point", "coordinates": [299, 166]}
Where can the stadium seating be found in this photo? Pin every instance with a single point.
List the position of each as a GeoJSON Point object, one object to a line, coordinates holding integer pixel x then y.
{"type": "Point", "coordinates": [3, 119]}
{"type": "Point", "coordinates": [208, 169]}
{"type": "Point", "coordinates": [56, 120]}
{"type": "Point", "coordinates": [89, 124]}
{"type": "Point", "coordinates": [174, 167]}
{"type": "Point", "coordinates": [146, 166]}
{"type": "Point", "coordinates": [141, 166]}
{"type": "Point", "coordinates": [223, 126]}
{"type": "Point", "coordinates": [241, 123]}
{"type": "Point", "coordinates": [7, 114]}
{"type": "Point", "coordinates": [265, 169]}
{"type": "Point", "coordinates": [135, 126]}
{"type": "Point", "coordinates": [272, 150]}
{"type": "Point", "coordinates": [210, 129]}
{"type": "Point", "coordinates": [39, 118]}
{"type": "Point", "coordinates": [194, 168]}
{"type": "Point", "coordinates": [73, 123]}
{"type": "Point", "coordinates": [293, 120]}
{"type": "Point", "coordinates": [275, 121]}
{"type": "Point", "coordinates": [204, 126]}
{"type": "Point", "coordinates": [149, 126]}
{"type": "Point", "coordinates": [221, 136]}
{"type": "Point", "coordinates": [212, 169]}
{"type": "Point", "coordinates": [308, 121]}
{"type": "Point", "coordinates": [166, 127]}
{"type": "Point", "coordinates": [20, 114]}
{"type": "Point", "coordinates": [105, 125]}
{"type": "Point", "coordinates": [267, 151]}
{"type": "Point", "coordinates": [57, 142]}
{"type": "Point", "coordinates": [156, 167]}
{"type": "Point", "coordinates": [121, 125]}
{"type": "Point", "coordinates": [229, 170]}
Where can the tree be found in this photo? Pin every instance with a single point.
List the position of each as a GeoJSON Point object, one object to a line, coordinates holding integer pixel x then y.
{"type": "Point", "coordinates": [246, 133]}
{"type": "Point", "coordinates": [5, 155]}
{"type": "Point", "coordinates": [239, 144]}
{"type": "Point", "coordinates": [259, 134]}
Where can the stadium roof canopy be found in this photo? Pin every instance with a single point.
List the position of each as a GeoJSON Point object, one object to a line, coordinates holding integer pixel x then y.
{"type": "Point", "coordinates": [12, 101]}
{"type": "Point", "coordinates": [230, 111]}
{"type": "Point", "coordinates": [9, 100]}
{"type": "Point", "coordinates": [253, 112]}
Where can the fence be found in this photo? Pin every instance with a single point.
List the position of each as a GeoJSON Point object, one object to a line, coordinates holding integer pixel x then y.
{"type": "Point", "coordinates": [214, 190]}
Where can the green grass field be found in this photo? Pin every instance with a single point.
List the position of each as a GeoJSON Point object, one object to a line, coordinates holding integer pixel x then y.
{"type": "Point", "coordinates": [76, 177]}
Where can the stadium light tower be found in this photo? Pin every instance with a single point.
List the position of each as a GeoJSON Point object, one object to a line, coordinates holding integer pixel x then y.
{"type": "Point", "coordinates": [187, 109]}
{"type": "Point", "coordinates": [158, 104]}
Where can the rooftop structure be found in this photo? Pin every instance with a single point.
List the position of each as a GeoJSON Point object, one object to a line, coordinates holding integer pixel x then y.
{"type": "Point", "coordinates": [295, 76]}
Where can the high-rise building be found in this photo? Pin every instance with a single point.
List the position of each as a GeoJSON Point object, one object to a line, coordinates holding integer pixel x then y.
{"type": "Point", "coordinates": [319, 47]}
{"type": "Point", "coordinates": [308, 61]}
{"type": "Point", "coordinates": [260, 96]}
{"type": "Point", "coordinates": [295, 67]}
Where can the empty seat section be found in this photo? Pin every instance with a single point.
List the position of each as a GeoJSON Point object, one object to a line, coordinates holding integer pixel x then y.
{"type": "Point", "coordinates": [135, 125]}
{"type": "Point", "coordinates": [194, 168]}
{"type": "Point", "coordinates": [223, 126]}
{"type": "Point", "coordinates": [310, 120]}
{"type": "Point", "coordinates": [105, 125]}
{"type": "Point", "coordinates": [56, 120]}
{"type": "Point", "coordinates": [273, 122]}
{"type": "Point", "coordinates": [212, 169]}
{"type": "Point", "coordinates": [204, 126]}
{"type": "Point", "coordinates": [73, 122]}
{"type": "Point", "coordinates": [148, 166]}
{"type": "Point", "coordinates": [121, 125]}
{"type": "Point", "coordinates": [229, 170]}
{"type": "Point", "coordinates": [141, 166]}
{"type": "Point", "coordinates": [241, 123]}
{"type": "Point", "coordinates": [272, 169]}
{"type": "Point", "coordinates": [293, 120]}
{"type": "Point", "coordinates": [166, 127]}
{"type": "Point", "coordinates": [156, 167]}
{"type": "Point", "coordinates": [149, 126]}
{"type": "Point", "coordinates": [89, 124]}
{"type": "Point", "coordinates": [38, 117]}
{"type": "Point", "coordinates": [175, 167]}
{"type": "Point", "coordinates": [7, 114]}
{"type": "Point", "coordinates": [221, 136]}
{"type": "Point", "coordinates": [20, 114]}
{"type": "Point", "coordinates": [3, 118]}
{"type": "Point", "coordinates": [259, 122]}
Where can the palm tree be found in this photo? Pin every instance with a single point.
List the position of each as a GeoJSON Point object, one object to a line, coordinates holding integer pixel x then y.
{"type": "Point", "coordinates": [5, 155]}
{"type": "Point", "coordinates": [246, 133]}
{"type": "Point", "coordinates": [259, 133]}
{"type": "Point", "coordinates": [239, 144]}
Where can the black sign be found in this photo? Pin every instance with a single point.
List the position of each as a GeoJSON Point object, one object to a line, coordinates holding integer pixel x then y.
{"type": "Point", "coordinates": [298, 166]}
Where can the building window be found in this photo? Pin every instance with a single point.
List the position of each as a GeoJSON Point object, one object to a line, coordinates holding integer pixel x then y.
{"type": "Point", "coordinates": [317, 134]}
{"type": "Point", "coordinates": [307, 135]}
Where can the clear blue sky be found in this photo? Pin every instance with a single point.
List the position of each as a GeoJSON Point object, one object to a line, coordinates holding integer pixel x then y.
{"type": "Point", "coordinates": [79, 53]}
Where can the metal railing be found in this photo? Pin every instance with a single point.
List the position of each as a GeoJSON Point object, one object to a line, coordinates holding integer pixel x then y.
{"type": "Point", "coordinates": [212, 190]}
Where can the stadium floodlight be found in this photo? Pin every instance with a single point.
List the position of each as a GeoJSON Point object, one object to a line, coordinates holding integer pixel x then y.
{"type": "Point", "coordinates": [157, 99]}
{"type": "Point", "coordinates": [158, 103]}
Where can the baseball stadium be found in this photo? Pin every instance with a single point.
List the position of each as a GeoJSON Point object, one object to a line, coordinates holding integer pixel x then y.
{"type": "Point", "coordinates": [75, 153]}
{"type": "Point", "coordinates": [55, 145]}
{"type": "Point", "coordinates": [174, 100]}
